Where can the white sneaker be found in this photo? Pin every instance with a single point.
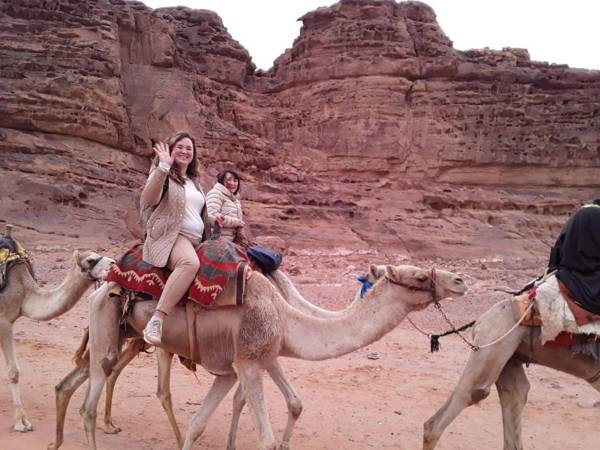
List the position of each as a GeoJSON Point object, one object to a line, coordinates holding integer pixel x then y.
{"type": "Point", "coordinates": [153, 331]}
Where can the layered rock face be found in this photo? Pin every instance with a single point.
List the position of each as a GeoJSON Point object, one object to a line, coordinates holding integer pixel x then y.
{"type": "Point", "coordinates": [371, 131]}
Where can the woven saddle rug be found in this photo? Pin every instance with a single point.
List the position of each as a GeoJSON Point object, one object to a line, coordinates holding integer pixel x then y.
{"type": "Point", "coordinates": [12, 253]}
{"type": "Point", "coordinates": [560, 319]}
{"type": "Point", "coordinates": [220, 281]}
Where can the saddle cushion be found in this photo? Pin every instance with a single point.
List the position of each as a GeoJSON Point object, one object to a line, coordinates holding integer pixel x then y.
{"type": "Point", "coordinates": [222, 268]}
{"type": "Point", "coordinates": [555, 313]}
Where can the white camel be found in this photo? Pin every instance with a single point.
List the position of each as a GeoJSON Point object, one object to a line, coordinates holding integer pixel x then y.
{"type": "Point", "coordinates": [22, 296]}
{"type": "Point", "coordinates": [502, 364]}
{"type": "Point", "coordinates": [240, 342]}
{"type": "Point", "coordinates": [75, 378]}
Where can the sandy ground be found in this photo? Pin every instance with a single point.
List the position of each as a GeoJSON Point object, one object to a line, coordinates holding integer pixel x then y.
{"type": "Point", "coordinates": [349, 403]}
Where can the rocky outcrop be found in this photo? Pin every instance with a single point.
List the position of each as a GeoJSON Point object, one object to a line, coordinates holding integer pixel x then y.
{"type": "Point", "coordinates": [369, 129]}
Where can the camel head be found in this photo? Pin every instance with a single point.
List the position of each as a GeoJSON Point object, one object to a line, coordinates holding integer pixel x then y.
{"type": "Point", "coordinates": [94, 266]}
{"type": "Point", "coordinates": [423, 284]}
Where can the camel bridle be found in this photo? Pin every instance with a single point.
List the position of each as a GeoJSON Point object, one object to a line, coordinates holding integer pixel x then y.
{"type": "Point", "coordinates": [432, 286]}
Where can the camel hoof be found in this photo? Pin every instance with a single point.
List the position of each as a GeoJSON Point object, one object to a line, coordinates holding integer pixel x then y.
{"type": "Point", "coordinates": [23, 425]}
{"type": "Point", "coordinates": [52, 446]}
{"type": "Point", "coordinates": [109, 428]}
{"type": "Point", "coordinates": [284, 446]}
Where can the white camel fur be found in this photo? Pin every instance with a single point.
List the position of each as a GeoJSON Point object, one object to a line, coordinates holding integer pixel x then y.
{"type": "Point", "coordinates": [242, 341]}
{"type": "Point", "coordinates": [22, 296]}
{"type": "Point", "coordinates": [502, 364]}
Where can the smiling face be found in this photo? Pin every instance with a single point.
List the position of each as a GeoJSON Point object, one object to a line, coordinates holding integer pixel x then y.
{"type": "Point", "coordinates": [183, 152]}
{"type": "Point", "coordinates": [231, 182]}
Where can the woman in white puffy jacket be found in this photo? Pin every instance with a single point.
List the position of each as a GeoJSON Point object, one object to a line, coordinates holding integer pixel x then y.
{"type": "Point", "coordinates": [224, 206]}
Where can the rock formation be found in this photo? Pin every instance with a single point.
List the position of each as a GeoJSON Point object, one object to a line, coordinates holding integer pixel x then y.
{"type": "Point", "coordinates": [371, 131]}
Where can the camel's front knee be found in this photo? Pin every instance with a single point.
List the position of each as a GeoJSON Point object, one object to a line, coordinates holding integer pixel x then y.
{"type": "Point", "coordinates": [478, 394]}
{"type": "Point", "coordinates": [13, 375]}
{"type": "Point", "coordinates": [295, 407]}
{"type": "Point", "coordinates": [163, 396]}
{"type": "Point", "coordinates": [429, 438]}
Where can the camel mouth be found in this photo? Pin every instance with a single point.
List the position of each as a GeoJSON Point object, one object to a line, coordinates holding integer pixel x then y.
{"type": "Point", "coordinates": [457, 289]}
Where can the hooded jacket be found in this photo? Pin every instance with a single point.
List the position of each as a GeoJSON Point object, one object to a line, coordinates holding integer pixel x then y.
{"type": "Point", "coordinates": [220, 200]}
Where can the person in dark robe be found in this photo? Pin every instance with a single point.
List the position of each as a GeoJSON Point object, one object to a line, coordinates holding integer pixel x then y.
{"type": "Point", "coordinates": [576, 256]}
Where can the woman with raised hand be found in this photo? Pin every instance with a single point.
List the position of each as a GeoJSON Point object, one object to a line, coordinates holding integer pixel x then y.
{"type": "Point", "coordinates": [177, 223]}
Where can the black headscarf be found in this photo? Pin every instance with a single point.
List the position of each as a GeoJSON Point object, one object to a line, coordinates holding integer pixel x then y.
{"type": "Point", "coordinates": [576, 257]}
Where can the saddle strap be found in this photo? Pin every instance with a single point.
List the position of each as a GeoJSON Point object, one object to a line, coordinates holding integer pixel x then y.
{"type": "Point", "coordinates": [190, 317]}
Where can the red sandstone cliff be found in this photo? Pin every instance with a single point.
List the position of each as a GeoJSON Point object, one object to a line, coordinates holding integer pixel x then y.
{"type": "Point", "coordinates": [371, 131]}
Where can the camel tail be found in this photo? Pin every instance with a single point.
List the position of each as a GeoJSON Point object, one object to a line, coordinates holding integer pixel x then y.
{"type": "Point", "coordinates": [82, 354]}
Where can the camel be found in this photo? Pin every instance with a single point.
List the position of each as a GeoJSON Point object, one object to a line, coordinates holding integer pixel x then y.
{"type": "Point", "coordinates": [243, 341]}
{"type": "Point", "coordinates": [22, 296]}
{"type": "Point", "coordinates": [502, 364]}
{"type": "Point", "coordinates": [75, 378]}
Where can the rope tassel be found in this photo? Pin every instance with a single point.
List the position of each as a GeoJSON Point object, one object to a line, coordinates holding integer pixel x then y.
{"type": "Point", "coordinates": [435, 338]}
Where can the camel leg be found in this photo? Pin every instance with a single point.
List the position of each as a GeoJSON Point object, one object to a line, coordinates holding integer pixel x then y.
{"type": "Point", "coordinates": [219, 389]}
{"type": "Point", "coordinates": [163, 392]}
{"type": "Point", "coordinates": [64, 391]}
{"type": "Point", "coordinates": [133, 348]}
{"type": "Point", "coordinates": [22, 422]}
{"type": "Point", "coordinates": [294, 405]}
{"type": "Point", "coordinates": [513, 387]}
{"type": "Point", "coordinates": [104, 352]}
{"type": "Point", "coordinates": [482, 370]}
{"type": "Point", "coordinates": [239, 401]}
{"type": "Point", "coordinates": [251, 380]}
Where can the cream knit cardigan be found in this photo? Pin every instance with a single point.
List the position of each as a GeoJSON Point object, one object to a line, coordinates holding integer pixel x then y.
{"type": "Point", "coordinates": [220, 200]}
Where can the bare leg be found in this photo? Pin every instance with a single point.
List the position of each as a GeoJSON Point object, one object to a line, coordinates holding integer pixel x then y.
{"type": "Point", "coordinates": [163, 392]}
{"type": "Point", "coordinates": [22, 422]}
{"type": "Point", "coordinates": [251, 380]}
{"type": "Point", "coordinates": [104, 351]}
{"type": "Point", "coordinates": [133, 348]}
{"type": "Point", "coordinates": [64, 390]}
{"type": "Point", "coordinates": [513, 386]}
{"type": "Point", "coordinates": [219, 389]}
{"type": "Point", "coordinates": [482, 370]}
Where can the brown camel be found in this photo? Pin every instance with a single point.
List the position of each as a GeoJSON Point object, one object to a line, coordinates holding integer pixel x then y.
{"type": "Point", "coordinates": [22, 296]}
{"type": "Point", "coordinates": [502, 364]}
{"type": "Point", "coordinates": [240, 342]}
{"type": "Point", "coordinates": [71, 382]}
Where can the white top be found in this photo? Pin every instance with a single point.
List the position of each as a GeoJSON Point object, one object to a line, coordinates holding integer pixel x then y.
{"type": "Point", "coordinates": [192, 225]}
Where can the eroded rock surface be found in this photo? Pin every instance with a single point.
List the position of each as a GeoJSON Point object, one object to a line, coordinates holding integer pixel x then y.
{"type": "Point", "coordinates": [371, 131]}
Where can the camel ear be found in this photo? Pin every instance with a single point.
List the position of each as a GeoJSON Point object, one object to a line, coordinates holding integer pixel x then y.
{"type": "Point", "coordinates": [393, 273]}
{"type": "Point", "coordinates": [376, 272]}
{"type": "Point", "coordinates": [76, 256]}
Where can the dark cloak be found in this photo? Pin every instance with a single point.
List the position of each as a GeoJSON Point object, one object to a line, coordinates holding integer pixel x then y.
{"type": "Point", "coordinates": [576, 257]}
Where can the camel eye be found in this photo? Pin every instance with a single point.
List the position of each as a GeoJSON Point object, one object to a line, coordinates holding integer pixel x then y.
{"type": "Point", "coordinates": [459, 281]}
{"type": "Point", "coordinates": [422, 278]}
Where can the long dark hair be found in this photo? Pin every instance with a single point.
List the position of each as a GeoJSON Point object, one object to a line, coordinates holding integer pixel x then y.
{"type": "Point", "coordinates": [192, 169]}
{"type": "Point", "coordinates": [223, 174]}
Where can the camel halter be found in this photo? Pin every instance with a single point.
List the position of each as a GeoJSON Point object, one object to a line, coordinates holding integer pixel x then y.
{"type": "Point", "coordinates": [435, 338]}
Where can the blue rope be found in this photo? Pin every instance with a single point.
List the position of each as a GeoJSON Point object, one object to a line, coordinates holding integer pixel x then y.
{"type": "Point", "coordinates": [366, 285]}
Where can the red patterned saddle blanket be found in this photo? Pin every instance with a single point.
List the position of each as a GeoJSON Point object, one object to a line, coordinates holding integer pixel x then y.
{"type": "Point", "coordinates": [222, 271]}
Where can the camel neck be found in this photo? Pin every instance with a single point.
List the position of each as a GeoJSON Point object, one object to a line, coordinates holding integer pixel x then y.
{"type": "Point", "coordinates": [365, 322]}
{"type": "Point", "coordinates": [46, 304]}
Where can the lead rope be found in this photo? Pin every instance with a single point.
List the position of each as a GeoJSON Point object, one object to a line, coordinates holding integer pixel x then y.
{"type": "Point", "coordinates": [434, 338]}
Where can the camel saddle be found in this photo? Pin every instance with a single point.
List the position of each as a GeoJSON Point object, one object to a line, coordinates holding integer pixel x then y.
{"type": "Point", "coordinates": [12, 252]}
{"type": "Point", "coordinates": [562, 321]}
{"type": "Point", "coordinates": [220, 281]}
